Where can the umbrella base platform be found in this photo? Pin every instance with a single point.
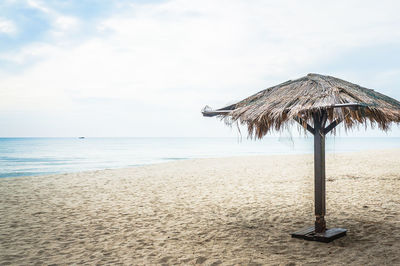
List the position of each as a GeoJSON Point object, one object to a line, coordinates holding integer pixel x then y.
{"type": "Point", "coordinates": [326, 237]}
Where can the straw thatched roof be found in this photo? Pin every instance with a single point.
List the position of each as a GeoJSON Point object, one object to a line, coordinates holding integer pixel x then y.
{"type": "Point", "coordinates": [276, 107]}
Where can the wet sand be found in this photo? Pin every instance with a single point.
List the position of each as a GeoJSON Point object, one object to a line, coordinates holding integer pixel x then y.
{"type": "Point", "coordinates": [205, 211]}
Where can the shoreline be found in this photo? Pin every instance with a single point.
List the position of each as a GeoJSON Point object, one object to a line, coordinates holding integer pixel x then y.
{"type": "Point", "coordinates": [238, 210]}
{"type": "Point", "coordinates": [201, 158]}
{"type": "Point", "coordinates": [33, 157]}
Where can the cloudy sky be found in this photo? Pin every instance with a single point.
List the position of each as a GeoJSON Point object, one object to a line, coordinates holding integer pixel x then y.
{"type": "Point", "coordinates": [146, 68]}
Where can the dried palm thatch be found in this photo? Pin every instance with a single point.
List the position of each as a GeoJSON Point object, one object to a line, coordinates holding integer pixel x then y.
{"type": "Point", "coordinates": [276, 107]}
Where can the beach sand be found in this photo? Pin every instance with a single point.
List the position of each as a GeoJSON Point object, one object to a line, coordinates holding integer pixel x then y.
{"type": "Point", "coordinates": [206, 211]}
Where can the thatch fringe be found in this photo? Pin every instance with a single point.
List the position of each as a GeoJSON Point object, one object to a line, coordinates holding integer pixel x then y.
{"type": "Point", "coordinates": [275, 107]}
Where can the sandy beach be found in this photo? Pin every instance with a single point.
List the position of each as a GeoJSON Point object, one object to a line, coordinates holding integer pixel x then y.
{"type": "Point", "coordinates": [226, 211]}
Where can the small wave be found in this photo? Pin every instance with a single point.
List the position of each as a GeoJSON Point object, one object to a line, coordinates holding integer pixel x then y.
{"type": "Point", "coordinates": [174, 158]}
{"type": "Point", "coordinates": [30, 160]}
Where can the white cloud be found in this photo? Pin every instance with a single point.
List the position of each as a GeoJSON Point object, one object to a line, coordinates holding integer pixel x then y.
{"type": "Point", "coordinates": [7, 26]}
{"type": "Point", "coordinates": [187, 54]}
{"type": "Point", "coordinates": [26, 54]}
{"type": "Point", "coordinates": [65, 22]}
{"type": "Point", "coordinates": [38, 5]}
{"type": "Point", "coordinates": [61, 24]}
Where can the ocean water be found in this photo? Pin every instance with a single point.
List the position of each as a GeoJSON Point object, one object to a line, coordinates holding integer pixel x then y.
{"type": "Point", "coordinates": [39, 156]}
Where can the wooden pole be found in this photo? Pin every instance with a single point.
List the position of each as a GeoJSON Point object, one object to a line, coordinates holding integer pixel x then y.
{"type": "Point", "coordinates": [318, 232]}
{"type": "Point", "coordinates": [319, 172]}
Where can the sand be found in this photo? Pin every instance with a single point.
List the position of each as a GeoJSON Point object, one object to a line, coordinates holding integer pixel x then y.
{"type": "Point", "coordinates": [205, 211]}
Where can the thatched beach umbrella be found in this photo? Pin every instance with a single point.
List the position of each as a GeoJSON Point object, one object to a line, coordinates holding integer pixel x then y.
{"type": "Point", "coordinates": [318, 103]}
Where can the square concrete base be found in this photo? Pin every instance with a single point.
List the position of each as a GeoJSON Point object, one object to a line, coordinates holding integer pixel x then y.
{"type": "Point", "coordinates": [327, 236]}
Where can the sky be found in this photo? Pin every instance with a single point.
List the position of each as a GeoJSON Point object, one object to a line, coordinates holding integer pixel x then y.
{"type": "Point", "coordinates": [118, 68]}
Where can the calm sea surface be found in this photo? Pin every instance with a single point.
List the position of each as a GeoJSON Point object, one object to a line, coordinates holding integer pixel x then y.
{"type": "Point", "coordinates": [38, 156]}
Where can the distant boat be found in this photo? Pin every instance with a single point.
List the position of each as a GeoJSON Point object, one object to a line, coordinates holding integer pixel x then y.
{"type": "Point", "coordinates": [81, 137]}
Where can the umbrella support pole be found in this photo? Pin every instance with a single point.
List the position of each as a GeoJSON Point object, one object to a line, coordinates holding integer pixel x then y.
{"type": "Point", "coordinates": [319, 232]}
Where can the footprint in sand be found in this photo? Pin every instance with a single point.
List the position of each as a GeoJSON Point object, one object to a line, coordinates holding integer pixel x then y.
{"type": "Point", "coordinates": [165, 259]}
{"type": "Point", "coordinates": [201, 260]}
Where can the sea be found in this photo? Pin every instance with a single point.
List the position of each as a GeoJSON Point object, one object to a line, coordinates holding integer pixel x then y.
{"type": "Point", "coordinates": [44, 156]}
